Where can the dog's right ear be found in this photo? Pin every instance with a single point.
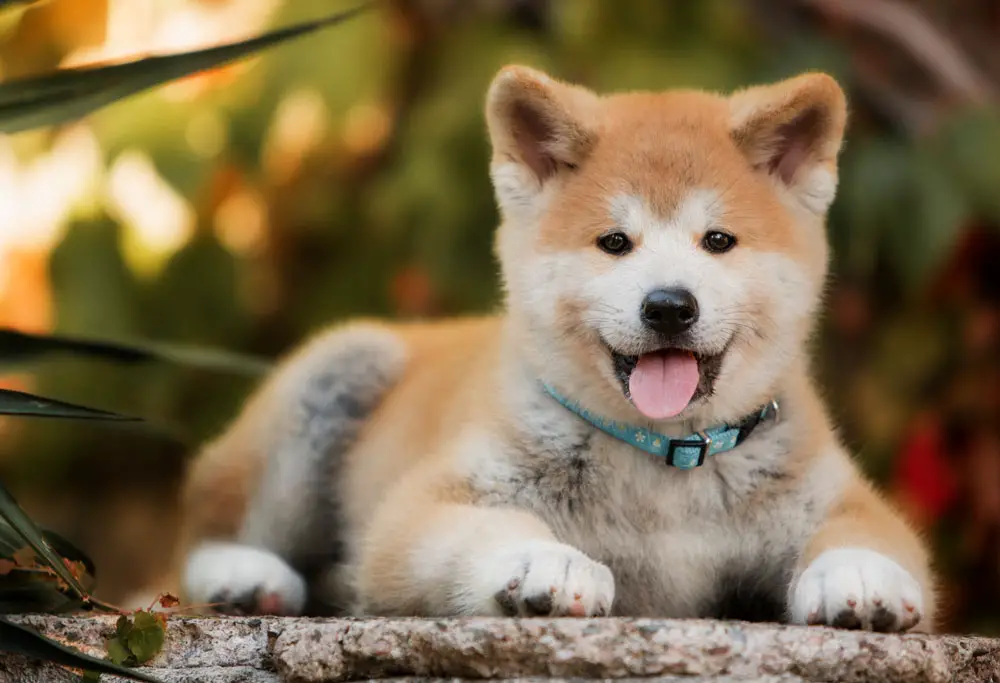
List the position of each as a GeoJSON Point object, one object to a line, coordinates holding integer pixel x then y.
{"type": "Point", "coordinates": [539, 128]}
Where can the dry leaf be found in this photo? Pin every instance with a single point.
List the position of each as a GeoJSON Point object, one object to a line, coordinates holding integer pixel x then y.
{"type": "Point", "coordinates": [25, 557]}
{"type": "Point", "coordinates": [167, 601]}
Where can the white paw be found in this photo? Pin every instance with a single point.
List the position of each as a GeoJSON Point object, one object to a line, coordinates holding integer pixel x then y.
{"type": "Point", "coordinates": [856, 589]}
{"type": "Point", "coordinates": [244, 579]}
{"type": "Point", "coordinates": [545, 578]}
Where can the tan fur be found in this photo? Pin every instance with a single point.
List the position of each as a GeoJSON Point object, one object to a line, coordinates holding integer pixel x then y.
{"type": "Point", "coordinates": [459, 472]}
{"type": "Point", "coordinates": [221, 480]}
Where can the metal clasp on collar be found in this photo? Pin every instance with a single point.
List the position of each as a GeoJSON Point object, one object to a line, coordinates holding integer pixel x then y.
{"type": "Point", "coordinates": [772, 411]}
{"type": "Point", "coordinates": [688, 460]}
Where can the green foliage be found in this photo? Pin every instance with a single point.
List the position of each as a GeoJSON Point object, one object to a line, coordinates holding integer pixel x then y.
{"type": "Point", "coordinates": [20, 347]}
{"type": "Point", "coordinates": [27, 585]}
{"type": "Point", "coordinates": [20, 522]}
{"type": "Point", "coordinates": [48, 573]}
{"type": "Point", "coordinates": [965, 148]}
{"type": "Point", "coordinates": [892, 193]}
{"type": "Point", "coordinates": [25, 641]}
{"type": "Point", "coordinates": [138, 640]}
{"type": "Point", "coordinates": [69, 94]}
{"type": "Point", "coordinates": [27, 405]}
{"type": "Point", "coordinates": [53, 582]}
{"type": "Point", "coordinates": [909, 203]}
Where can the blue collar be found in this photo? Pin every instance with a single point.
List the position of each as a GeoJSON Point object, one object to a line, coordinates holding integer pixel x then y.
{"type": "Point", "coordinates": [684, 453]}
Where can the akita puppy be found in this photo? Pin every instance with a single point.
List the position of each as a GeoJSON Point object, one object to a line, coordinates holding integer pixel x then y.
{"type": "Point", "coordinates": [635, 434]}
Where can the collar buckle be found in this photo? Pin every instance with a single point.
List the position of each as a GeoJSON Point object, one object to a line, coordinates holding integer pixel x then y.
{"type": "Point", "coordinates": [686, 454]}
{"type": "Point", "coordinates": [771, 411]}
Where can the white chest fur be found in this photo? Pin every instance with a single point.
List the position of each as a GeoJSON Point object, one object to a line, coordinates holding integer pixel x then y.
{"type": "Point", "coordinates": [720, 540]}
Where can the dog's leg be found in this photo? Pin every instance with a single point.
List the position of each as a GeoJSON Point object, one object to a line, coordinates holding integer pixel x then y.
{"type": "Point", "coordinates": [433, 553]}
{"type": "Point", "coordinates": [300, 426]}
{"type": "Point", "coordinates": [863, 569]}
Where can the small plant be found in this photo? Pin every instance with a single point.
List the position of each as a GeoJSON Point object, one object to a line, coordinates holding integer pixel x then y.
{"type": "Point", "coordinates": [42, 572]}
{"type": "Point", "coordinates": [39, 570]}
{"type": "Point", "coordinates": [137, 640]}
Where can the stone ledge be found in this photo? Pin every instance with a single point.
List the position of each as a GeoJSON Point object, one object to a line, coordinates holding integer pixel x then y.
{"type": "Point", "coordinates": [273, 650]}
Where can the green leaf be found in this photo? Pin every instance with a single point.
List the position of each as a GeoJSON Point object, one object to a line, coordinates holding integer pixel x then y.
{"type": "Point", "coordinates": [70, 94]}
{"type": "Point", "coordinates": [123, 627]}
{"type": "Point", "coordinates": [208, 359]}
{"type": "Point", "coordinates": [117, 652]}
{"type": "Point", "coordinates": [69, 551]}
{"type": "Point", "coordinates": [31, 591]}
{"type": "Point", "coordinates": [146, 638]}
{"type": "Point", "coordinates": [25, 641]}
{"type": "Point", "coordinates": [930, 221]}
{"type": "Point", "coordinates": [34, 592]}
{"type": "Point", "coordinates": [28, 405]}
{"type": "Point", "coordinates": [33, 536]}
{"type": "Point", "coordinates": [959, 146]}
{"type": "Point", "coordinates": [11, 541]}
{"type": "Point", "coordinates": [17, 346]}
{"type": "Point", "coordinates": [873, 190]}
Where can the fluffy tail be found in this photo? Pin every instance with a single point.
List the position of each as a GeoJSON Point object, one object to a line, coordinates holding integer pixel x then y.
{"type": "Point", "coordinates": [260, 507]}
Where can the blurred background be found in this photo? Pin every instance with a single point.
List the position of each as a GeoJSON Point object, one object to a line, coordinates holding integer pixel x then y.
{"type": "Point", "coordinates": [346, 173]}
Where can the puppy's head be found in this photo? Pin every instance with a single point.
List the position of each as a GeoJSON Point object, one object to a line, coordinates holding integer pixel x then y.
{"type": "Point", "coordinates": [663, 254]}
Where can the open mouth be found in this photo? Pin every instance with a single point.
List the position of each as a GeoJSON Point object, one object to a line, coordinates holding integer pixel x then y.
{"type": "Point", "coordinates": [662, 383]}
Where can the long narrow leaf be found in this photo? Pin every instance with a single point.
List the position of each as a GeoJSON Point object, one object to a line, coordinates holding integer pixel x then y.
{"type": "Point", "coordinates": [21, 404]}
{"type": "Point", "coordinates": [11, 541]}
{"type": "Point", "coordinates": [73, 93]}
{"type": "Point", "coordinates": [32, 590]}
{"type": "Point", "coordinates": [24, 641]}
{"type": "Point", "coordinates": [208, 359]}
{"type": "Point", "coordinates": [15, 515]}
{"type": "Point", "coordinates": [17, 346]}
{"type": "Point", "coordinates": [28, 405]}
{"type": "Point", "coordinates": [69, 551]}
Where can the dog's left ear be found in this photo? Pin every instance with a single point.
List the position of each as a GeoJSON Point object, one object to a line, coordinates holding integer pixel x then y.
{"type": "Point", "coordinates": [793, 131]}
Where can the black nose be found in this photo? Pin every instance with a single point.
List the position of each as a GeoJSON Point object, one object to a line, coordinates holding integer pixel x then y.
{"type": "Point", "coordinates": [670, 311]}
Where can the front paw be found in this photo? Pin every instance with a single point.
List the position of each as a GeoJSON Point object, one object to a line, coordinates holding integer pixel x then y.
{"type": "Point", "coordinates": [854, 588]}
{"type": "Point", "coordinates": [239, 579]}
{"type": "Point", "coordinates": [549, 579]}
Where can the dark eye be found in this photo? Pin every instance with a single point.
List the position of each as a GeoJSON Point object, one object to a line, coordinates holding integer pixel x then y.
{"type": "Point", "coordinates": [616, 243]}
{"type": "Point", "coordinates": [718, 242]}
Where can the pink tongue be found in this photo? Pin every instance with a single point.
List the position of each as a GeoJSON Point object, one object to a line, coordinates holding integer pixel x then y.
{"type": "Point", "coordinates": [663, 383]}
